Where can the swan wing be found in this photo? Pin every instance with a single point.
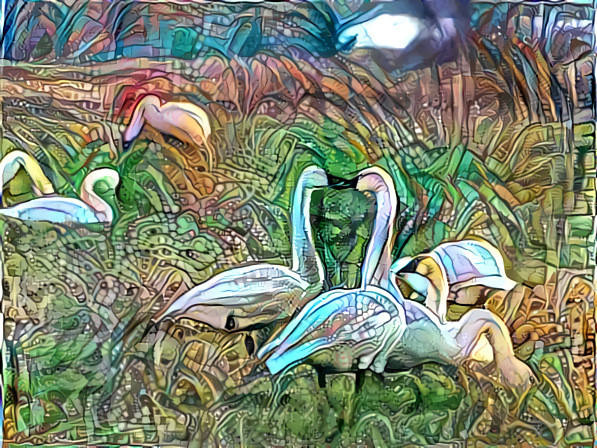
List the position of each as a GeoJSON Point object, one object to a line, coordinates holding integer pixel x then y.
{"type": "Point", "coordinates": [471, 262]}
{"type": "Point", "coordinates": [364, 321]}
{"type": "Point", "coordinates": [246, 292]}
{"type": "Point", "coordinates": [55, 210]}
{"type": "Point", "coordinates": [310, 318]}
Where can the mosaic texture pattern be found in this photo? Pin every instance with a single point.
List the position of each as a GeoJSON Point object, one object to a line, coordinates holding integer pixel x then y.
{"type": "Point", "coordinates": [150, 147]}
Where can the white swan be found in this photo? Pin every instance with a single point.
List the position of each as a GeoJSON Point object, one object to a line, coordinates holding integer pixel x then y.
{"type": "Point", "coordinates": [91, 208]}
{"type": "Point", "coordinates": [185, 121]}
{"type": "Point", "coordinates": [468, 264]}
{"type": "Point", "coordinates": [261, 293]}
{"type": "Point", "coordinates": [15, 160]}
{"type": "Point", "coordinates": [426, 337]}
{"type": "Point", "coordinates": [347, 328]}
{"type": "Point", "coordinates": [375, 327]}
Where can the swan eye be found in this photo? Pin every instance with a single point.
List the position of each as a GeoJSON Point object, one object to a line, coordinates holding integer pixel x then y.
{"type": "Point", "coordinates": [229, 323]}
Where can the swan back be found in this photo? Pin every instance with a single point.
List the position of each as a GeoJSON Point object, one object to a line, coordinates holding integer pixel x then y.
{"type": "Point", "coordinates": [466, 263]}
{"type": "Point", "coordinates": [54, 209]}
{"type": "Point", "coordinates": [193, 111]}
{"type": "Point", "coordinates": [362, 323]}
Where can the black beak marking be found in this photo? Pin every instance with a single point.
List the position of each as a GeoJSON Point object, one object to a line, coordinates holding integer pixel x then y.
{"type": "Point", "coordinates": [339, 183]}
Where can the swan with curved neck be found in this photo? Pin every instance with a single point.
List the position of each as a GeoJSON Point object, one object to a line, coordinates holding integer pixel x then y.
{"type": "Point", "coordinates": [346, 328]}
{"type": "Point", "coordinates": [426, 337]}
{"type": "Point", "coordinates": [91, 208]}
{"type": "Point", "coordinates": [377, 327]}
{"type": "Point", "coordinates": [259, 294]}
{"type": "Point", "coordinates": [185, 121]}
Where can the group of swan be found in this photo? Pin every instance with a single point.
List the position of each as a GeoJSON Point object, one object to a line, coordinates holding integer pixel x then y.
{"type": "Point", "coordinates": [185, 121]}
{"type": "Point", "coordinates": [50, 207]}
{"type": "Point", "coordinates": [372, 326]}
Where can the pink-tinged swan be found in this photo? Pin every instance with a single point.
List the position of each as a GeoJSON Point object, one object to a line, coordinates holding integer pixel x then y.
{"type": "Point", "coordinates": [185, 121]}
{"type": "Point", "coordinates": [259, 294]}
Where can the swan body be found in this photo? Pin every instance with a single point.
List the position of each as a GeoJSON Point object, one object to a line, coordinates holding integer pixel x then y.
{"type": "Point", "coordinates": [52, 208]}
{"type": "Point", "coordinates": [242, 297]}
{"type": "Point", "coordinates": [381, 329]}
{"type": "Point", "coordinates": [426, 336]}
{"type": "Point", "coordinates": [55, 209]}
{"type": "Point", "coordinates": [345, 329]}
{"type": "Point", "coordinates": [261, 293]}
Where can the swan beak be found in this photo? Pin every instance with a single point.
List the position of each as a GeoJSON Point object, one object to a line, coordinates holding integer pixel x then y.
{"type": "Point", "coordinates": [338, 183]}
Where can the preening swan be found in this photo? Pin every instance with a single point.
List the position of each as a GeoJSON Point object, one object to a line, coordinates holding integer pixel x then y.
{"type": "Point", "coordinates": [14, 160]}
{"type": "Point", "coordinates": [261, 293]}
{"type": "Point", "coordinates": [185, 121]}
{"type": "Point", "coordinates": [464, 264]}
{"type": "Point", "coordinates": [91, 208]}
{"type": "Point", "coordinates": [377, 327]}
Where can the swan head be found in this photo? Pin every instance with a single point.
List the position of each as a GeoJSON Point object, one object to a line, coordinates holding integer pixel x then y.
{"type": "Point", "coordinates": [376, 180]}
{"type": "Point", "coordinates": [107, 175]}
{"type": "Point", "coordinates": [425, 275]}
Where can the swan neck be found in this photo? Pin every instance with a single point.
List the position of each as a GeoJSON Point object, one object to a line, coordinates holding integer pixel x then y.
{"type": "Point", "coordinates": [138, 118]}
{"type": "Point", "coordinates": [305, 260]}
{"type": "Point", "coordinates": [88, 195]}
{"type": "Point", "coordinates": [378, 257]}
